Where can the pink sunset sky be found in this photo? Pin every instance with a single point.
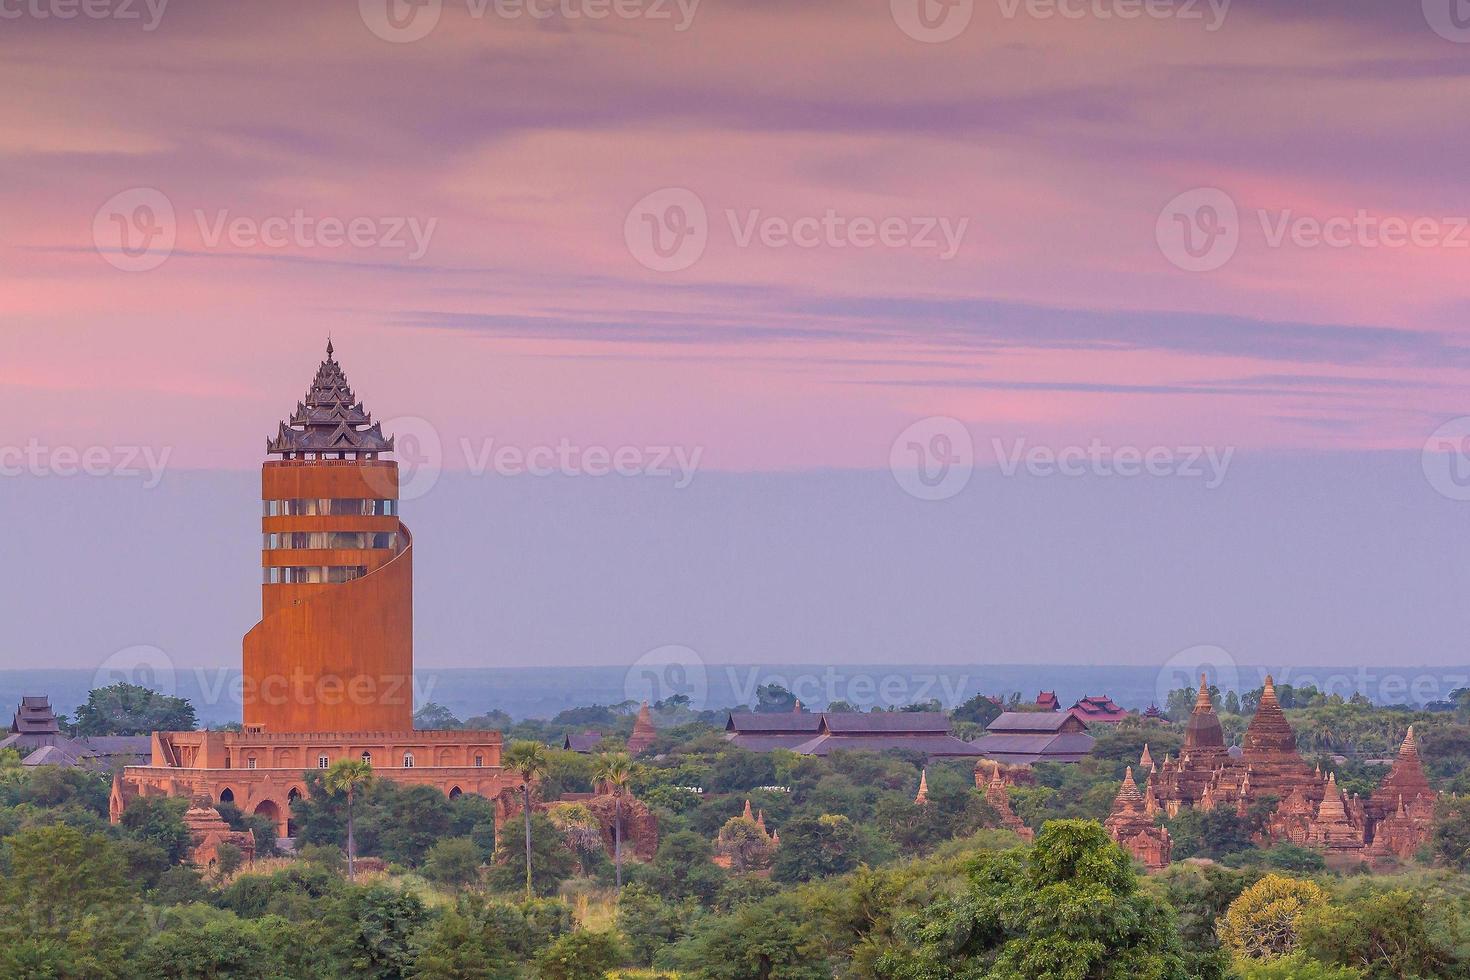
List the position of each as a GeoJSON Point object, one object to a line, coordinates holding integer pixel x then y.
{"type": "Point", "coordinates": [799, 238]}
{"type": "Point", "coordinates": [1060, 142]}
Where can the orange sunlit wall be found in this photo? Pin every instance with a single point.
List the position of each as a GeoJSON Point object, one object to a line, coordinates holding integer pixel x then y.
{"type": "Point", "coordinates": [333, 651]}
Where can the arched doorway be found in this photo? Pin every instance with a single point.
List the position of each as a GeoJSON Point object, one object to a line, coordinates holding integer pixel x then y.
{"type": "Point", "coordinates": [455, 793]}
{"type": "Point", "coordinates": [291, 800]}
{"type": "Point", "coordinates": [227, 795]}
{"type": "Point", "coordinates": [269, 809]}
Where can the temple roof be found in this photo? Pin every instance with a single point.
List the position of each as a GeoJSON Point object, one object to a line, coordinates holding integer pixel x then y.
{"type": "Point", "coordinates": [35, 717]}
{"type": "Point", "coordinates": [1269, 734]}
{"type": "Point", "coordinates": [330, 419]}
{"type": "Point", "coordinates": [1202, 733]}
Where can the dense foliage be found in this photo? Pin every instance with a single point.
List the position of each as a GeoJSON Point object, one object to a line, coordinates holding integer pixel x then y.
{"type": "Point", "coordinates": [863, 882]}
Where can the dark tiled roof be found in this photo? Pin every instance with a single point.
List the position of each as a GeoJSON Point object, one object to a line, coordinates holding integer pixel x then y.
{"type": "Point", "coordinates": [1028, 721]}
{"type": "Point", "coordinates": [1018, 749]}
{"type": "Point", "coordinates": [771, 723]}
{"type": "Point", "coordinates": [139, 745]}
{"type": "Point", "coordinates": [34, 716]}
{"type": "Point", "coordinates": [914, 722]}
{"type": "Point", "coordinates": [583, 741]}
{"type": "Point", "coordinates": [331, 419]}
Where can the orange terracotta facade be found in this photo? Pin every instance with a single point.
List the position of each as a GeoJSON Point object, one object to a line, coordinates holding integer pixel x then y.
{"type": "Point", "coordinates": [333, 656]}
{"type": "Point", "coordinates": [328, 670]}
{"type": "Point", "coordinates": [264, 773]}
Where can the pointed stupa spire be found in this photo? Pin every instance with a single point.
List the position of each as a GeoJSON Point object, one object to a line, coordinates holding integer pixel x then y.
{"type": "Point", "coordinates": [1411, 745]}
{"type": "Point", "coordinates": [1146, 761]}
{"type": "Point", "coordinates": [330, 351]}
{"type": "Point", "coordinates": [923, 796]}
{"type": "Point", "coordinates": [747, 815]}
{"type": "Point", "coordinates": [796, 708]}
{"type": "Point", "coordinates": [1202, 699]}
{"type": "Point", "coordinates": [1128, 792]}
{"type": "Point", "coordinates": [760, 820]}
{"type": "Point", "coordinates": [1332, 808]}
{"type": "Point", "coordinates": [1269, 735]}
{"type": "Point", "coordinates": [644, 733]}
{"type": "Point", "coordinates": [1204, 740]}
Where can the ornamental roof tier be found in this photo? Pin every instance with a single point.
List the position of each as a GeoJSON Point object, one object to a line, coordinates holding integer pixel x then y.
{"type": "Point", "coordinates": [330, 420]}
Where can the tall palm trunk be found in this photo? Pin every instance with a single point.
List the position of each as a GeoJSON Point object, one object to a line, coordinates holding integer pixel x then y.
{"type": "Point", "coordinates": [351, 841]}
{"type": "Point", "coordinates": [618, 840]}
{"type": "Point", "coordinates": [526, 808]}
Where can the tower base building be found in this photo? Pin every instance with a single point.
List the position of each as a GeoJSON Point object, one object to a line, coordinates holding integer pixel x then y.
{"type": "Point", "coordinates": [328, 671]}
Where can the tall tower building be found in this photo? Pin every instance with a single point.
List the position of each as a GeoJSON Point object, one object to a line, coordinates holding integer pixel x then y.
{"type": "Point", "coordinates": [333, 650]}
{"type": "Point", "coordinates": [328, 670]}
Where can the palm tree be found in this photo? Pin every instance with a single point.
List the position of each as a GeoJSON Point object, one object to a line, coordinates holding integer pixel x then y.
{"type": "Point", "coordinates": [527, 760]}
{"type": "Point", "coordinates": [614, 770]}
{"type": "Point", "coordinates": [345, 776]}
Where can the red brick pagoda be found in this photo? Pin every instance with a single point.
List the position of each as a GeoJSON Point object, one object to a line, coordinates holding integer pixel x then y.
{"type": "Point", "coordinates": [1311, 810]}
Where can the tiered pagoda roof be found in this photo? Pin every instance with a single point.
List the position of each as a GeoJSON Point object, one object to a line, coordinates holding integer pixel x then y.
{"type": "Point", "coordinates": [330, 419]}
{"type": "Point", "coordinates": [1269, 733]}
{"type": "Point", "coordinates": [1204, 739]}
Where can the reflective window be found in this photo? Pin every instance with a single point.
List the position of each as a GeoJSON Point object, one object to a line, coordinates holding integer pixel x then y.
{"type": "Point", "coordinates": [367, 757]}
{"type": "Point", "coordinates": [333, 506]}
{"type": "Point", "coordinates": [336, 540]}
{"type": "Point", "coordinates": [312, 574]}
{"type": "Point", "coordinates": [408, 760]}
{"type": "Point", "coordinates": [250, 762]}
{"type": "Point", "coordinates": [322, 762]}
{"type": "Point", "coordinates": [479, 762]}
